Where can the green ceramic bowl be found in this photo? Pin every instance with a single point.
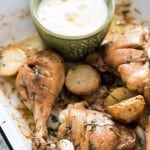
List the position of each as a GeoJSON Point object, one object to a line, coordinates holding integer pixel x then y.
{"type": "Point", "coordinates": [73, 47]}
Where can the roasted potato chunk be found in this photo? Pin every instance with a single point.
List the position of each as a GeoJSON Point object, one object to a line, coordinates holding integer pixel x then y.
{"type": "Point", "coordinates": [128, 110]}
{"type": "Point", "coordinates": [12, 58]}
{"type": "Point", "coordinates": [118, 95]}
{"type": "Point", "coordinates": [82, 80]}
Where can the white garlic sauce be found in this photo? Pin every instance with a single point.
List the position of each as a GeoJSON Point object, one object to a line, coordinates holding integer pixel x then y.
{"type": "Point", "coordinates": [72, 17]}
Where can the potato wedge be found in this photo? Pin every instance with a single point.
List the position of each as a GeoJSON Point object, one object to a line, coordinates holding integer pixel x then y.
{"type": "Point", "coordinates": [32, 45]}
{"type": "Point", "coordinates": [82, 80]}
{"type": "Point", "coordinates": [118, 95]}
{"type": "Point", "coordinates": [12, 58]}
{"type": "Point", "coordinates": [128, 110]}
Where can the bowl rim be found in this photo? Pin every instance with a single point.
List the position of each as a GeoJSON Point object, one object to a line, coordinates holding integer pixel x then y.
{"type": "Point", "coordinates": [70, 37]}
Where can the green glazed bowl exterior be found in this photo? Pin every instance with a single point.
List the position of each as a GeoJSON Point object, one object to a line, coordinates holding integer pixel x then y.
{"type": "Point", "coordinates": [73, 47]}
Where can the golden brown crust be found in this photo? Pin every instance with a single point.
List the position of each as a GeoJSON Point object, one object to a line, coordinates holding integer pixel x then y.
{"type": "Point", "coordinates": [38, 83]}
{"type": "Point", "coordinates": [89, 129]}
{"type": "Point", "coordinates": [127, 110]}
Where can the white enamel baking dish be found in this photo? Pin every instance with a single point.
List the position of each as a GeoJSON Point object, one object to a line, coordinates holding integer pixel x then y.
{"type": "Point", "coordinates": [16, 25]}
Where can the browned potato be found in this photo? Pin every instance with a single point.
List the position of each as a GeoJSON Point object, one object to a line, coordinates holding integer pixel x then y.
{"type": "Point", "coordinates": [127, 110]}
{"type": "Point", "coordinates": [12, 58]}
{"type": "Point", "coordinates": [118, 95]}
{"type": "Point", "coordinates": [32, 45]}
{"type": "Point", "coordinates": [82, 80]}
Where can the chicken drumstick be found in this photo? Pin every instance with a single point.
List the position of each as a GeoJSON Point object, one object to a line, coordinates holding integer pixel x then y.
{"type": "Point", "coordinates": [38, 83]}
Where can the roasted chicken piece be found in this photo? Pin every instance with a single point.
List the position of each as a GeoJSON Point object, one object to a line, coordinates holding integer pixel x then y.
{"type": "Point", "coordinates": [38, 83]}
{"type": "Point", "coordinates": [128, 48]}
{"type": "Point", "coordinates": [131, 61]}
{"type": "Point", "coordinates": [89, 129]}
{"type": "Point", "coordinates": [135, 75]}
{"type": "Point", "coordinates": [128, 56]}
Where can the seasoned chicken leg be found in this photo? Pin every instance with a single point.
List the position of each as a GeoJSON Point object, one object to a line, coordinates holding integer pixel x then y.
{"type": "Point", "coordinates": [38, 83]}
{"type": "Point", "coordinates": [89, 129]}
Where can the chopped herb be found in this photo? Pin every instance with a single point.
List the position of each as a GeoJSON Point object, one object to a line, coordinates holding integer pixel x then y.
{"type": "Point", "coordinates": [51, 132]}
{"type": "Point", "coordinates": [93, 121]}
{"type": "Point", "coordinates": [129, 59]}
{"type": "Point", "coordinates": [54, 118]}
{"type": "Point", "coordinates": [141, 47]}
{"type": "Point", "coordinates": [36, 70]}
{"type": "Point", "coordinates": [37, 73]}
{"type": "Point", "coordinates": [91, 146]}
{"type": "Point", "coordinates": [137, 10]}
{"type": "Point", "coordinates": [69, 129]}
{"type": "Point", "coordinates": [50, 129]}
{"type": "Point", "coordinates": [93, 125]}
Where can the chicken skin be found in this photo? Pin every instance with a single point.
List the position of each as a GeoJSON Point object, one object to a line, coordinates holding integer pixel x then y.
{"type": "Point", "coordinates": [89, 129]}
{"type": "Point", "coordinates": [129, 57]}
{"type": "Point", "coordinates": [38, 83]}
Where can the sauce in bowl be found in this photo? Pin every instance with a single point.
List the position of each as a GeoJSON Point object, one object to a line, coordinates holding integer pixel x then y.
{"type": "Point", "coordinates": [72, 17]}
